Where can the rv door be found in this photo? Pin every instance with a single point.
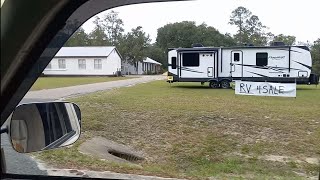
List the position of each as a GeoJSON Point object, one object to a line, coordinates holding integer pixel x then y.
{"type": "Point", "coordinates": [236, 63]}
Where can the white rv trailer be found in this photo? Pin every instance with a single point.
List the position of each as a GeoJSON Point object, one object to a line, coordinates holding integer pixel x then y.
{"type": "Point", "coordinates": [220, 66]}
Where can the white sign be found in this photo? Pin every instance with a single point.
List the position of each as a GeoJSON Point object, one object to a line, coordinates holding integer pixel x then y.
{"type": "Point", "coordinates": [265, 89]}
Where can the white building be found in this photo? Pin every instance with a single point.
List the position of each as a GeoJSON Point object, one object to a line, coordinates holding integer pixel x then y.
{"type": "Point", "coordinates": [97, 61]}
{"type": "Point", "coordinates": [147, 66]}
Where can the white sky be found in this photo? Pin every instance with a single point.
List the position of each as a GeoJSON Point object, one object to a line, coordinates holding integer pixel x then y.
{"type": "Point", "coordinates": [290, 17]}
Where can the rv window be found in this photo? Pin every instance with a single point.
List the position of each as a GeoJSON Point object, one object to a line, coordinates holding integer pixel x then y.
{"type": "Point", "coordinates": [262, 59]}
{"type": "Point", "coordinates": [190, 59]}
{"type": "Point", "coordinates": [236, 56]}
{"type": "Point", "coordinates": [174, 62]}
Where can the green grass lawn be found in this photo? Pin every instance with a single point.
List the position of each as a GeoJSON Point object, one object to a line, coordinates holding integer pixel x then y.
{"type": "Point", "coordinates": [190, 131]}
{"type": "Point", "coordinates": [56, 82]}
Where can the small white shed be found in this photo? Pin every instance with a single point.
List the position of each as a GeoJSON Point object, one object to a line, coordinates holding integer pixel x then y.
{"type": "Point", "coordinates": [86, 61]}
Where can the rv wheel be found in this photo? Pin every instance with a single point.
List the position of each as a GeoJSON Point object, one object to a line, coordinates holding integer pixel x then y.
{"type": "Point", "coordinates": [225, 84]}
{"type": "Point", "coordinates": [214, 84]}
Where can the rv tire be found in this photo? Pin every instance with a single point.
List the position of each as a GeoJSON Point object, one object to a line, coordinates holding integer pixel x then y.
{"type": "Point", "coordinates": [225, 84]}
{"type": "Point", "coordinates": [214, 84]}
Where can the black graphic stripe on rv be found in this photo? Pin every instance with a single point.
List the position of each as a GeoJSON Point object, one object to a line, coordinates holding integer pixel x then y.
{"type": "Point", "coordinates": [278, 70]}
{"type": "Point", "coordinates": [309, 67]}
{"type": "Point", "coordinates": [254, 66]}
{"type": "Point", "coordinates": [268, 67]}
{"type": "Point", "coordinates": [190, 70]}
{"type": "Point", "coordinates": [258, 74]}
{"type": "Point", "coordinates": [288, 50]}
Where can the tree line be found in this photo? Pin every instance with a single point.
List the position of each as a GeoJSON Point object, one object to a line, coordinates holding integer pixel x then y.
{"type": "Point", "coordinates": [136, 44]}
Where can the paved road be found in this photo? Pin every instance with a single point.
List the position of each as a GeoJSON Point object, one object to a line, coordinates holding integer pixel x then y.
{"type": "Point", "coordinates": [23, 163]}
{"type": "Point", "coordinates": [18, 163]}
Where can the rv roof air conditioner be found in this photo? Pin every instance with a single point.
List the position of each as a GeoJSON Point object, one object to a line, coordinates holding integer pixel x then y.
{"type": "Point", "coordinates": [197, 45]}
{"type": "Point", "coordinates": [277, 43]}
{"type": "Point", "coordinates": [250, 44]}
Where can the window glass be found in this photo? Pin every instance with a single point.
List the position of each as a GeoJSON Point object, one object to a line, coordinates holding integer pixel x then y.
{"type": "Point", "coordinates": [52, 123]}
{"type": "Point", "coordinates": [49, 66]}
{"type": "Point", "coordinates": [82, 63]}
{"type": "Point", "coordinates": [236, 57]}
{"type": "Point", "coordinates": [190, 59]}
{"type": "Point", "coordinates": [66, 125]}
{"type": "Point", "coordinates": [262, 59]}
{"type": "Point", "coordinates": [62, 63]}
{"type": "Point", "coordinates": [97, 64]}
{"type": "Point", "coordinates": [174, 62]}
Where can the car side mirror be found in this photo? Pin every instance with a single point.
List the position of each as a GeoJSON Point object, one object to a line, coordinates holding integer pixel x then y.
{"type": "Point", "coordinates": [42, 126]}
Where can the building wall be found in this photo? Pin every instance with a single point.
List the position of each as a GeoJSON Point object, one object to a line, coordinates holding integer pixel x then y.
{"type": "Point", "coordinates": [130, 69]}
{"type": "Point", "coordinates": [110, 65]}
{"type": "Point", "coordinates": [143, 68]}
{"type": "Point", "coordinates": [150, 67]}
{"type": "Point", "coordinates": [115, 60]}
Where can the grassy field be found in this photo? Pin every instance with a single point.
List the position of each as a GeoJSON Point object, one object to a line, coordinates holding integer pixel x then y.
{"type": "Point", "coordinates": [56, 82]}
{"type": "Point", "coordinates": [191, 131]}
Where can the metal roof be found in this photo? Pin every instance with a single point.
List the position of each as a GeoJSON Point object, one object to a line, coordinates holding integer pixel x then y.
{"type": "Point", "coordinates": [151, 61]}
{"type": "Point", "coordinates": [87, 51]}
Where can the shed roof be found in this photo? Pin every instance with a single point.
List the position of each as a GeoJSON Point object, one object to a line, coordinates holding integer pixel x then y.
{"type": "Point", "coordinates": [149, 60]}
{"type": "Point", "coordinates": [86, 51]}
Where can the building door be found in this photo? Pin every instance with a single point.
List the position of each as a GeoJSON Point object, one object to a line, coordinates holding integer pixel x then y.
{"type": "Point", "coordinates": [236, 63]}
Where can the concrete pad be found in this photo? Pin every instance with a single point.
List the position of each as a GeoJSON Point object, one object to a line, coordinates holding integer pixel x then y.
{"type": "Point", "coordinates": [105, 149]}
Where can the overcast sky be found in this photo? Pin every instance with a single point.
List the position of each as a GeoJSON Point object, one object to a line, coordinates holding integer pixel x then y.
{"type": "Point", "coordinates": [296, 17]}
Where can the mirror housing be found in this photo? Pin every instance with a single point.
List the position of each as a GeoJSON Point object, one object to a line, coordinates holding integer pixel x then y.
{"type": "Point", "coordinates": [42, 126]}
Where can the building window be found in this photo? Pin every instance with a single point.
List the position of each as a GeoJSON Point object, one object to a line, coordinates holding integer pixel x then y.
{"type": "Point", "coordinates": [236, 57]}
{"type": "Point", "coordinates": [174, 62]}
{"type": "Point", "coordinates": [262, 59]}
{"type": "Point", "coordinates": [97, 64]}
{"type": "Point", "coordinates": [61, 63]}
{"type": "Point", "coordinates": [82, 63]}
{"type": "Point", "coordinates": [190, 59]}
{"type": "Point", "coordinates": [49, 66]}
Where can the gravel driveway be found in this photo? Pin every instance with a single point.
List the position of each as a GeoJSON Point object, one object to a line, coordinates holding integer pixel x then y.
{"type": "Point", "coordinates": [65, 92]}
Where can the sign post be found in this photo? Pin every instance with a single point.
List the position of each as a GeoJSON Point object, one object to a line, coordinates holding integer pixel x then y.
{"type": "Point", "coordinates": [265, 89]}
